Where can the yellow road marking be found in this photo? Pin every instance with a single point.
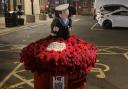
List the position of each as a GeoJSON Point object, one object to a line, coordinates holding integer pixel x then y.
{"type": "Point", "coordinates": [101, 71]}
{"type": "Point", "coordinates": [126, 55]}
{"type": "Point", "coordinates": [20, 71]}
{"type": "Point", "coordinates": [24, 80]}
{"type": "Point", "coordinates": [7, 77]}
{"type": "Point", "coordinates": [111, 53]}
{"type": "Point", "coordinates": [105, 66]}
{"type": "Point", "coordinates": [19, 84]}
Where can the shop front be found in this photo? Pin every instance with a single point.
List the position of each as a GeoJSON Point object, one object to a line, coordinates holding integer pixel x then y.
{"type": "Point", "coordinates": [83, 7]}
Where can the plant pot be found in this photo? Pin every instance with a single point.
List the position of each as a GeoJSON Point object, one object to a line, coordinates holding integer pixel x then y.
{"type": "Point", "coordinates": [20, 21]}
{"type": "Point", "coordinates": [42, 17]}
{"type": "Point", "coordinates": [30, 18]}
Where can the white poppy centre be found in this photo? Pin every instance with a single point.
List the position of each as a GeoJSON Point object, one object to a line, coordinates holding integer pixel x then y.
{"type": "Point", "coordinates": [56, 46]}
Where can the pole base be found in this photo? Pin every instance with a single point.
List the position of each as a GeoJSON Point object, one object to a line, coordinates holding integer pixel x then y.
{"type": "Point", "coordinates": [42, 17]}
{"type": "Point", "coordinates": [30, 18]}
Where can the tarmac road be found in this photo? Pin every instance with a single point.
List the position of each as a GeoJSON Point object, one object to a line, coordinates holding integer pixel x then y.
{"type": "Point", "coordinates": [112, 62]}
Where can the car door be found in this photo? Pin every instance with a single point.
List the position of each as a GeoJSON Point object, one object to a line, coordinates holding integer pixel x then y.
{"type": "Point", "coordinates": [116, 19]}
{"type": "Point", "coordinates": [120, 19]}
{"type": "Point", "coordinates": [124, 19]}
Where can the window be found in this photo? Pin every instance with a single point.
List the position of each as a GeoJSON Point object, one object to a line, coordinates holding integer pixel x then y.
{"type": "Point", "coordinates": [117, 13]}
{"type": "Point", "coordinates": [122, 13]}
{"type": "Point", "coordinates": [20, 2]}
{"type": "Point", "coordinates": [111, 8]}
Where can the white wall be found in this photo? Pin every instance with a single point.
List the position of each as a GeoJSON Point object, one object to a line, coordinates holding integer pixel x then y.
{"type": "Point", "coordinates": [28, 9]}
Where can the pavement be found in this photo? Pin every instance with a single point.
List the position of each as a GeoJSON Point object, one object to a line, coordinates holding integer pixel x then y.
{"type": "Point", "coordinates": [5, 30]}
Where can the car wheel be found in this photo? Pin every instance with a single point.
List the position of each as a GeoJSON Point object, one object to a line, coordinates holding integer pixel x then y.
{"type": "Point", "coordinates": [107, 24]}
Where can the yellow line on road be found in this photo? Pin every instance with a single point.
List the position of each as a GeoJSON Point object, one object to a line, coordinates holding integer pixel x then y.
{"type": "Point", "coordinates": [19, 84]}
{"type": "Point", "coordinates": [24, 80]}
{"type": "Point", "coordinates": [126, 55]}
{"type": "Point", "coordinates": [10, 74]}
{"type": "Point", "coordinates": [20, 71]}
{"type": "Point", "coordinates": [110, 53]}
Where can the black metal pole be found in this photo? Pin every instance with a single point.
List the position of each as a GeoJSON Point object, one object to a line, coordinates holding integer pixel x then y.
{"type": "Point", "coordinates": [5, 11]}
{"type": "Point", "coordinates": [5, 8]}
{"type": "Point", "coordinates": [32, 7]}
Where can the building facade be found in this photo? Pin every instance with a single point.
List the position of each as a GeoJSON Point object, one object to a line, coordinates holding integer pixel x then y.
{"type": "Point", "coordinates": [28, 7]}
{"type": "Point", "coordinates": [82, 6]}
{"type": "Point", "coordinates": [1, 8]}
{"type": "Point", "coordinates": [43, 5]}
{"type": "Point", "coordinates": [12, 5]}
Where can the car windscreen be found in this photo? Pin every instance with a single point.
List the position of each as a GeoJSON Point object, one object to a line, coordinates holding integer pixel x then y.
{"type": "Point", "coordinates": [111, 8]}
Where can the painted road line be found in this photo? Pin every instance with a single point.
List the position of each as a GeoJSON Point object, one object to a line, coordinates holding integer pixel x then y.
{"type": "Point", "coordinates": [17, 47]}
{"type": "Point", "coordinates": [122, 48]}
{"type": "Point", "coordinates": [16, 62]}
{"type": "Point", "coordinates": [10, 74]}
{"type": "Point", "coordinates": [20, 71]}
{"type": "Point", "coordinates": [106, 67]}
{"type": "Point", "coordinates": [75, 20]}
{"type": "Point", "coordinates": [26, 28]}
{"type": "Point", "coordinates": [19, 84]}
{"type": "Point", "coordinates": [126, 55]}
{"type": "Point", "coordinates": [93, 26]}
{"type": "Point", "coordinates": [100, 70]}
{"type": "Point", "coordinates": [110, 53]}
{"type": "Point", "coordinates": [24, 80]}
{"type": "Point", "coordinates": [114, 46]}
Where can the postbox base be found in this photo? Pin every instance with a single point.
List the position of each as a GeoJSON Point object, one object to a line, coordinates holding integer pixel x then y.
{"type": "Point", "coordinates": [45, 81]}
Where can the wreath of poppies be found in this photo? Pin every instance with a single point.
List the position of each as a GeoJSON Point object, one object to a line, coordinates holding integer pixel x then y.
{"type": "Point", "coordinates": [78, 56]}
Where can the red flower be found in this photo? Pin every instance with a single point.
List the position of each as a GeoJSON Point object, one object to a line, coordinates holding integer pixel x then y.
{"type": "Point", "coordinates": [78, 56]}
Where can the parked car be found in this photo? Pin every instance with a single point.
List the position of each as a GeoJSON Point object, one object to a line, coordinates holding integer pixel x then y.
{"type": "Point", "coordinates": [117, 18]}
{"type": "Point", "coordinates": [110, 8]}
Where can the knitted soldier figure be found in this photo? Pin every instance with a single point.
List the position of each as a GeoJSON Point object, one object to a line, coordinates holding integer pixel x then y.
{"type": "Point", "coordinates": [62, 23]}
